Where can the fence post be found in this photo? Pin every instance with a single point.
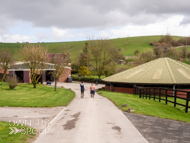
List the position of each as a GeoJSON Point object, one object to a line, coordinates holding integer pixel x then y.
{"type": "Point", "coordinates": [134, 90]}
{"type": "Point", "coordinates": [175, 97]}
{"type": "Point", "coordinates": [166, 96]}
{"type": "Point", "coordinates": [154, 93]}
{"type": "Point", "coordinates": [146, 92]}
{"type": "Point", "coordinates": [143, 93]}
{"type": "Point", "coordinates": [159, 94]}
{"type": "Point", "coordinates": [187, 102]}
{"type": "Point", "coordinates": [149, 93]}
{"type": "Point", "coordinates": [137, 90]}
{"type": "Point", "coordinates": [140, 93]}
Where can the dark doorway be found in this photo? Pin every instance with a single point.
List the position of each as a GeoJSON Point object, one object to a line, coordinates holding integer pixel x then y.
{"type": "Point", "coordinates": [19, 75]}
{"type": "Point", "coordinates": [49, 76]}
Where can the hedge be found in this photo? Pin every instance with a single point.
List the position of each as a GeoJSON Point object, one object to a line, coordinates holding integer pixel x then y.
{"type": "Point", "coordinates": [86, 79]}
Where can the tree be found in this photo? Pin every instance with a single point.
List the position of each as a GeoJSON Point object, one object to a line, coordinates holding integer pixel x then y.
{"type": "Point", "coordinates": [6, 60]}
{"type": "Point", "coordinates": [34, 57]}
{"type": "Point", "coordinates": [85, 56]}
{"type": "Point", "coordinates": [103, 54]}
{"type": "Point", "coordinates": [173, 53]}
{"type": "Point", "coordinates": [83, 70]}
{"type": "Point", "coordinates": [158, 51]}
{"type": "Point", "coordinates": [166, 39]}
{"type": "Point", "coordinates": [145, 57]}
{"type": "Point", "coordinates": [59, 63]}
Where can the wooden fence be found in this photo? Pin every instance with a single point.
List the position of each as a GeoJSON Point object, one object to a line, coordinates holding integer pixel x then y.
{"type": "Point", "coordinates": [163, 94]}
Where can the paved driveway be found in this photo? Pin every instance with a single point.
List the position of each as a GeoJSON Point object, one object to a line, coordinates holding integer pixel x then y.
{"type": "Point", "coordinates": [90, 120]}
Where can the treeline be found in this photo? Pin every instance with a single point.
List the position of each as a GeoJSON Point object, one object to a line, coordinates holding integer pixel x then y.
{"type": "Point", "coordinates": [166, 47]}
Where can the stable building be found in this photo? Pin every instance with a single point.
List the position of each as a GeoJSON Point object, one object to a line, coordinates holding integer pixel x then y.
{"type": "Point", "coordinates": [22, 72]}
{"type": "Point", "coordinates": [162, 72]}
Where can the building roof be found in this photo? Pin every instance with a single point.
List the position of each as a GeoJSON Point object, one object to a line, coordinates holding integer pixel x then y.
{"type": "Point", "coordinates": [21, 66]}
{"type": "Point", "coordinates": [159, 71]}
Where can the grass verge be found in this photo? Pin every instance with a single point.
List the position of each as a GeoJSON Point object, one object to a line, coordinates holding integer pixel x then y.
{"type": "Point", "coordinates": [7, 136]}
{"type": "Point", "coordinates": [147, 107]}
{"type": "Point", "coordinates": [24, 95]}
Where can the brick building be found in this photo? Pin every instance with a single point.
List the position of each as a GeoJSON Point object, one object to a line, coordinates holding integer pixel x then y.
{"type": "Point", "coordinates": [23, 73]}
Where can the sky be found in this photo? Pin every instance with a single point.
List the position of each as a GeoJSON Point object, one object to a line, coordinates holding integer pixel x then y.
{"type": "Point", "coordinates": [76, 20]}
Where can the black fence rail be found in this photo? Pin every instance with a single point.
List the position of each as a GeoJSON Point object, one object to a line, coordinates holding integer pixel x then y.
{"type": "Point", "coordinates": [163, 94]}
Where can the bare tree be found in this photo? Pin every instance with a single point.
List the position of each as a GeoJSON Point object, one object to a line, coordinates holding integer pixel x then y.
{"type": "Point", "coordinates": [6, 60]}
{"type": "Point", "coordinates": [34, 57]}
{"type": "Point", "coordinates": [59, 63]}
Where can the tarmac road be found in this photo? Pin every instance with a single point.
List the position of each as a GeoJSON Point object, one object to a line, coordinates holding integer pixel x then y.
{"type": "Point", "coordinates": [90, 120]}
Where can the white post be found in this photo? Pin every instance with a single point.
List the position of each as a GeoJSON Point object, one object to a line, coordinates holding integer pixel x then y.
{"type": "Point", "coordinates": [173, 89]}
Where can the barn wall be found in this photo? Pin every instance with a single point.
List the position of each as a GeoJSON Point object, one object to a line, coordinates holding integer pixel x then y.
{"type": "Point", "coordinates": [119, 89]}
{"type": "Point", "coordinates": [27, 77]}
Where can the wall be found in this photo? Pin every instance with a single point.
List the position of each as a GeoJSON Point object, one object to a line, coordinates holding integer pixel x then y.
{"type": "Point", "coordinates": [26, 77]}
{"type": "Point", "coordinates": [64, 75]}
{"type": "Point", "coordinates": [120, 89]}
{"type": "Point", "coordinates": [2, 71]}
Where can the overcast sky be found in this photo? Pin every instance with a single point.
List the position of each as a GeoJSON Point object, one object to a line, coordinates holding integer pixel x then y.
{"type": "Point", "coordinates": [73, 20]}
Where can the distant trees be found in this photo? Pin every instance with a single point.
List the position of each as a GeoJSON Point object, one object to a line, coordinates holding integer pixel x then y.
{"type": "Point", "coordinates": [145, 57]}
{"type": "Point", "coordinates": [166, 39]}
{"type": "Point", "coordinates": [34, 57]}
{"type": "Point", "coordinates": [6, 60]}
{"type": "Point", "coordinates": [99, 56]}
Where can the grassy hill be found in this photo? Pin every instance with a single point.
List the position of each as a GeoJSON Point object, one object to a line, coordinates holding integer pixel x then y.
{"type": "Point", "coordinates": [128, 45]}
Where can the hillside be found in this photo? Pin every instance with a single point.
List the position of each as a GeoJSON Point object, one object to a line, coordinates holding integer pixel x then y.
{"type": "Point", "coordinates": [128, 45]}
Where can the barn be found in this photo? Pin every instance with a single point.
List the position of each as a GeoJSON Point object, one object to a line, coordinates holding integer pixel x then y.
{"type": "Point", "coordinates": [162, 72]}
{"type": "Point", "coordinates": [23, 72]}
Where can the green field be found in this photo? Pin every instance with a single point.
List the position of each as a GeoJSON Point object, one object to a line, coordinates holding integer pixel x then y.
{"type": "Point", "coordinates": [6, 136]}
{"type": "Point", "coordinates": [128, 45]}
{"type": "Point", "coordinates": [24, 95]}
{"type": "Point", "coordinates": [148, 107]}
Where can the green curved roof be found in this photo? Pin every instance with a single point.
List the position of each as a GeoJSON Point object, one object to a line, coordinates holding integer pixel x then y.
{"type": "Point", "coordinates": [159, 71]}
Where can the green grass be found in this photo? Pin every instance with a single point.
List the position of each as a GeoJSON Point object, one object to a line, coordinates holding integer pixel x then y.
{"type": "Point", "coordinates": [24, 95]}
{"type": "Point", "coordinates": [148, 107]}
{"type": "Point", "coordinates": [129, 45]}
{"type": "Point", "coordinates": [21, 137]}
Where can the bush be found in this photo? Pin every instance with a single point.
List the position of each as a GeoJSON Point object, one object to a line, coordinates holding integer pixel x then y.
{"type": "Point", "coordinates": [83, 70]}
{"type": "Point", "coordinates": [136, 52]}
{"type": "Point", "coordinates": [12, 82]}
